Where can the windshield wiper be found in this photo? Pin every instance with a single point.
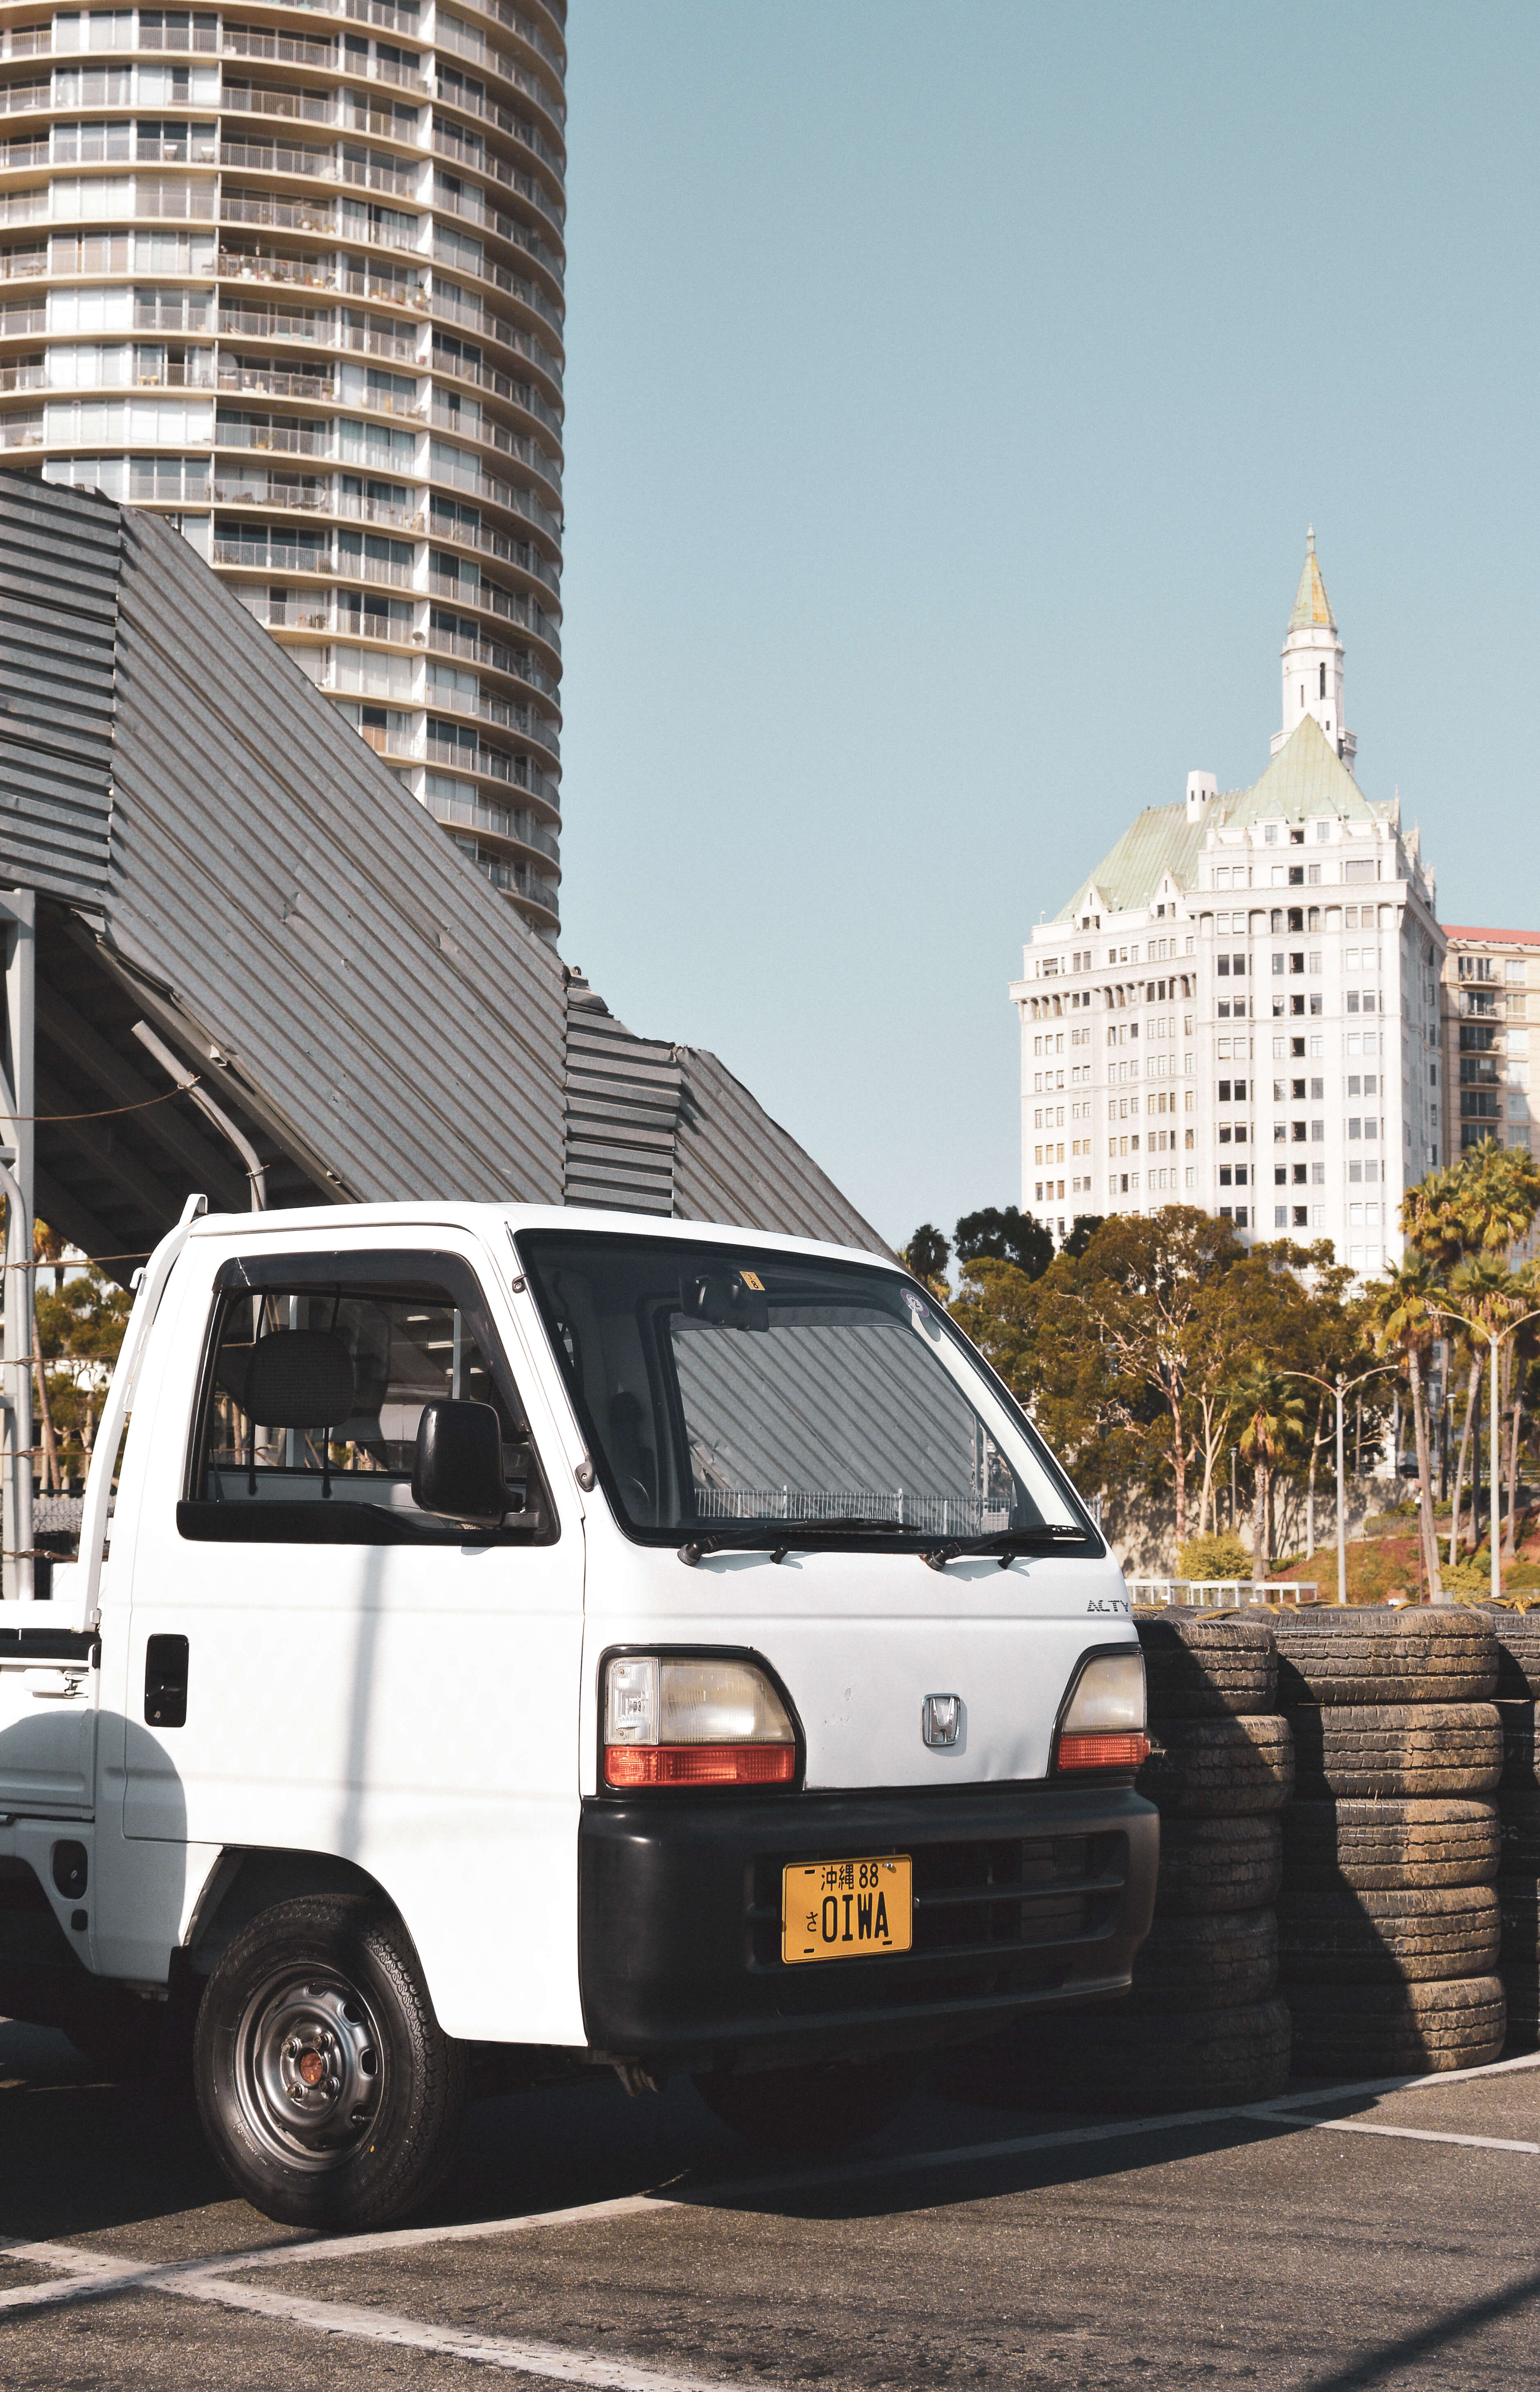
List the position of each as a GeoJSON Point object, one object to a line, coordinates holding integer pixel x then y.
{"type": "Point", "coordinates": [777, 1542]}
{"type": "Point", "coordinates": [1045, 1537]}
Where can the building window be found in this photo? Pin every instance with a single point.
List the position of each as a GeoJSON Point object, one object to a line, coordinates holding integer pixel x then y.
{"type": "Point", "coordinates": [1323, 677]}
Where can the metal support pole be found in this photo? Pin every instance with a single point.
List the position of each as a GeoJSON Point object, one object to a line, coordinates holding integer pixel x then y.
{"type": "Point", "coordinates": [18, 1103]}
{"type": "Point", "coordinates": [1341, 1511]}
{"type": "Point", "coordinates": [1494, 1502]}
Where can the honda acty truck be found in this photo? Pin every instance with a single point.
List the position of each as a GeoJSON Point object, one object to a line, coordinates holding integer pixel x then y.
{"type": "Point", "coordinates": [566, 1641]}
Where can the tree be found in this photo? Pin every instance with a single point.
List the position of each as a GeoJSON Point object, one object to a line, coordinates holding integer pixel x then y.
{"type": "Point", "coordinates": [927, 1255]}
{"type": "Point", "coordinates": [1405, 1323]}
{"type": "Point", "coordinates": [1272, 1417]}
{"type": "Point", "coordinates": [1083, 1228]}
{"type": "Point", "coordinates": [1136, 1293]}
{"type": "Point", "coordinates": [1003, 1234]}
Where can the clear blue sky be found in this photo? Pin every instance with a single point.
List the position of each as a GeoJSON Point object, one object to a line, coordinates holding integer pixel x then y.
{"type": "Point", "coordinates": [949, 389]}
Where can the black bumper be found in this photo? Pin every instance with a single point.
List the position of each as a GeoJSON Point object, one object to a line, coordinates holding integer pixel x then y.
{"type": "Point", "coordinates": [1025, 1897]}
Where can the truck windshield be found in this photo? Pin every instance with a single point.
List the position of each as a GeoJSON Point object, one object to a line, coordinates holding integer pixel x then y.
{"type": "Point", "coordinates": [739, 1395]}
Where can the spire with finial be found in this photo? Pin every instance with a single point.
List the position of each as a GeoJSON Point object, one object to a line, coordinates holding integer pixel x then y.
{"type": "Point", "coordinates": [1312, 606]}
{"type": "Point", "coordinates": [1312, 664]}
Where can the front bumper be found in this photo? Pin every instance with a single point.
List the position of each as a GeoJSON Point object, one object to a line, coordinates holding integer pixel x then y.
{"type": "Point", "coordinates": [1025, 1896]}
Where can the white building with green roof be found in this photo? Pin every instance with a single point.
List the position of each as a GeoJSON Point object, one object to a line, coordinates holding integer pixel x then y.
{"type": "Point", "coordinates": [1239, 1008]}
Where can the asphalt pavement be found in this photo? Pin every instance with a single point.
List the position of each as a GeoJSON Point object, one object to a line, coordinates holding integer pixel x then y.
{"type": "Point", "coordinates": [1337, 2240]}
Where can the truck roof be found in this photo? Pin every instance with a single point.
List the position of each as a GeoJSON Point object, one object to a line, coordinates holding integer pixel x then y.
{"type": "Point", "coordinates": [488, 1221]}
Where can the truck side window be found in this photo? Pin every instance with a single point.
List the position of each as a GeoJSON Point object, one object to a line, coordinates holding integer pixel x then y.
{"type": "Point", "coordinates": [310, 1405]}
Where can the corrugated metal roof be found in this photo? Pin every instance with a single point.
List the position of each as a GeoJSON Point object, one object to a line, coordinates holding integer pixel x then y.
{"type": "Point", "coordinates": [733, 1162]}
{"type": "Point", "coordinates": [1306, 777]}
{"type": "Point", "coordinates": [309, 920]}
{"type": "Point", "coordinates": [58, 574]}
{"type": "Point", "coordinates": [622, 1110]}
{"type": "Point", "coordinates": [346, 984]}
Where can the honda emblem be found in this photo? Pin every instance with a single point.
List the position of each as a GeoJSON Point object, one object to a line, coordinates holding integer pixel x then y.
{"type": "Point", "coordinates": [941, 1718]}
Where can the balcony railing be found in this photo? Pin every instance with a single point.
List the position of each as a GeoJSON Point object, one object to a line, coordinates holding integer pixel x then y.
{"type": "Point", "coordinates": [27, 42]}
{"type": "Point", "coordinates": [22, 317]}
{"type": "Point", "coordinates": [503, 14]}
{"type": "Point", "coordinates": [449, 92]}
{"type": "Point", "coordinates": [468, 44]}
{"type": "Point", "coordinates": [31, 376]}
{"type": "Point", "coordinates": [450, 309]}
{"type": "Point", "coordinates": [304, 273]}
{"type": "Point", "coordinates": [22, 263]}
{"type": "Point", "coordinates": [518, 394]}
{"type": "Point", "coordinates": [271, 382]}
{"type": "Point", "coordinates": [284, 215]}
{"type": "Point", "coordinates": [21, 431]}
{"type": "Point", "coordinates": [20, 98]}
{"type": "Point", "coordinates": [447, 143]}
{"type": "Point", "coordinates": [247, 100]}
{"type": "Point", "coordinates": [276, 439]}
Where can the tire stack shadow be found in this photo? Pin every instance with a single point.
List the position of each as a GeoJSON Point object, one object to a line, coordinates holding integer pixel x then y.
{"type": "Point", "coordinates": [1389, 1922]}
{"type": "Point", "coordinates": [1518, 1822]}
{"type": "Point", "coordinates": [1203, 2025]}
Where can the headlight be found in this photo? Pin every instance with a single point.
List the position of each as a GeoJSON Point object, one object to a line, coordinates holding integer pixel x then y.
{"type": "Point", "coordinates": [694, 1723]}
{"type": "Point", "coordinates": [1103, 1724]}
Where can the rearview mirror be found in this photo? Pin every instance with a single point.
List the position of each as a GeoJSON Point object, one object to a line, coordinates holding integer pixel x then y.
{"type": "Point", "coordinates": [458, 1473]}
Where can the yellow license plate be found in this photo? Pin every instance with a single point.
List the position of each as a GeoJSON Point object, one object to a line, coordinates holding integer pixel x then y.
{"type": "Point", "coordinates": [847, 1910]}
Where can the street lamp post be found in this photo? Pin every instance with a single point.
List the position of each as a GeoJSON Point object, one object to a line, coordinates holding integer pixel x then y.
{"type": "Point", "coordinates": [1341, 1385]}
{"type": "Point", "coordinates": [1496, 1339]}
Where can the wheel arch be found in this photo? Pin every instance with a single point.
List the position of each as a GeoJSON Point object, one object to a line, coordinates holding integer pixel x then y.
{"type": "Point", "coordinates": [246, 1880]}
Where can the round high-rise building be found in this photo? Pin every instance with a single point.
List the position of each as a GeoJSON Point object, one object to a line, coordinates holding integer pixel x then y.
{"type": "Point", "coordinates": [291, 275]}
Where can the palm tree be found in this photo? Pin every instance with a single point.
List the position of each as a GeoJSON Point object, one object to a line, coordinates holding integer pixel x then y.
{"type": "Point", "coordinates": [1405, 1323]}
{"type": "Point", "coordinates": [1272, 1417]}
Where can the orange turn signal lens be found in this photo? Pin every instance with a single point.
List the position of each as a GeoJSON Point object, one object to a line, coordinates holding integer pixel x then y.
{"type": "Point", "coordinates": [1118, 1750]}
{"type": "Point", "coordinates": [699, 1764]}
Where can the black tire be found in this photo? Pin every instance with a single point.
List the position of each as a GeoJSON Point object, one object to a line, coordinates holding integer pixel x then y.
{"type": "Point", "coordinates": [1123, 2058]}
{"type": "Point", "coordinates": [1215, 1962]}
{"type": "Point", "coordinates": [1409, 1936]}
{"type": "Point", "coordinates": [1518, 1655]}
{"type": "Point", "coordinates": [1518, 1829]}
{"type": "Point", "coordinates": [1519, 1773]}
{"type": "Point", "coordinates": [1222, 1768]}
{"type": "Point", "coordinates": [810, 2109]}
{"type": "Point", "coordinates": [1217, 1864]}
{"type": "Point", "coordinates": [1398, 1748]}
{"type": "Point", "coordinates": [1359, 1656]}
{"type": "Point", "coordinates": [1394, 2030]}
{"type": "Point", "coordinates": [329, 1983]}
{"type": "Point", "coordinates": [1521, 1909]}
{"type": "Point", "coordinates": [1207, 1664]}
{"type": "Point", "coordinates": [1377, 1846]}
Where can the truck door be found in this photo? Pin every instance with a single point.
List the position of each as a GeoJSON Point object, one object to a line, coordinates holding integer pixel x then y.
{"type": "Point", "coordinates": [316, 1664]}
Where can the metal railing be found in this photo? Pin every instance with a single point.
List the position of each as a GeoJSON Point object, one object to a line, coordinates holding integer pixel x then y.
{"type": "Point", "coordinates": [1222, 1593]}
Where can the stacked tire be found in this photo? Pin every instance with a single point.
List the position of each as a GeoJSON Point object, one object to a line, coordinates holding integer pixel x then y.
{"type": "Point", "coordinates": [1517, 1640]}
{"type": "Point", "coordinates": [1203, 2024]}
{"type": "Point", "coordinates": [1389, 1922]}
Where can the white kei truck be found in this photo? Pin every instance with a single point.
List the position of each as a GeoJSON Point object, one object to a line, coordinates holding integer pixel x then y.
{"type": "Point", "coordinates": [509, 1642]}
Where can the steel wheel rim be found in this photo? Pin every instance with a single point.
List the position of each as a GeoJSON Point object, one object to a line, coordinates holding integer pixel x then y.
{"type": "Point", "coordinates": [310, 2069]}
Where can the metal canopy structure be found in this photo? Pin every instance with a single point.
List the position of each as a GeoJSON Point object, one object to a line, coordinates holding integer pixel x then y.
{"type": "Point", "coordinates": [216, 856]}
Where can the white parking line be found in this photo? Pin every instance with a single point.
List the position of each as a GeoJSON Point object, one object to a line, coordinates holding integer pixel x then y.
{"type": "Point", "coordinates": [1416, 2135]}
{"type": "Point", "coordinates": [87, 2274]}
{"type": "Point", "coordinates": [547, 2359]}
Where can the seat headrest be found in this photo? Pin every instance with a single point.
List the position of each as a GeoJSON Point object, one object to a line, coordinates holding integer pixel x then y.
{"type": "Point", "coordinates": [299, 1378]}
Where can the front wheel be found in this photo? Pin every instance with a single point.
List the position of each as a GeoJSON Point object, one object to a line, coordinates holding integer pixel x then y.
{"type": "Point", "coordinates": [813, 2109]}
{"type": "Point", "coordinates": [325, 2084]}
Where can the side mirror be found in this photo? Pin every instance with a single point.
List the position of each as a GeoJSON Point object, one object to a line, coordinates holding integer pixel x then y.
{"type": "Point", "coordinates": [458, 1473]}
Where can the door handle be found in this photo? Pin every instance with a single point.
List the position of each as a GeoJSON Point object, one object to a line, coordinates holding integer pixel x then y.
{"type": "Point", "coordinates": [166, 1682]}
